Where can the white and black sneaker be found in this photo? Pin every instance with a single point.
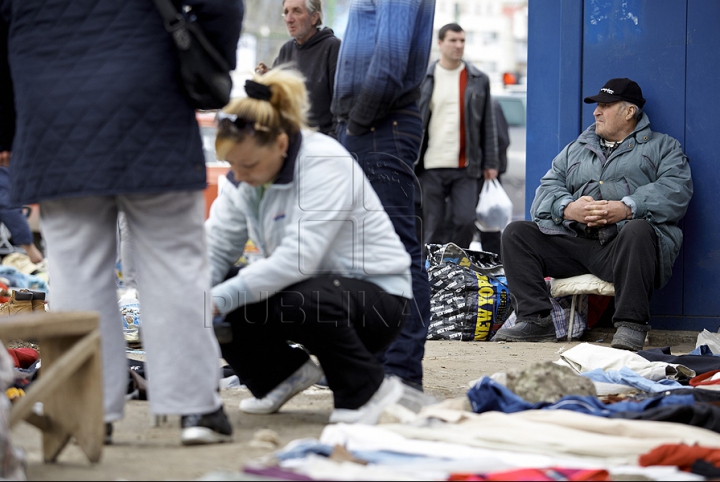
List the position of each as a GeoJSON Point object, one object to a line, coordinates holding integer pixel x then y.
{"type": "Point", "coordinates": [209, 428]}
{"type": "Point", "coordinates": [304, 377]}
{"type": "Point", "coordinates": [390, 392]}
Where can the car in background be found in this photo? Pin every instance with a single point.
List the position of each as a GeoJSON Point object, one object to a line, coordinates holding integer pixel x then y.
{"type": "Point", "coordinates": [513, 104]}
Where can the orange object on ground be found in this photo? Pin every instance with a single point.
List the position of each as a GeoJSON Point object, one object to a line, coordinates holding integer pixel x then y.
{"type": "Point", "coordinates": [680, 455]}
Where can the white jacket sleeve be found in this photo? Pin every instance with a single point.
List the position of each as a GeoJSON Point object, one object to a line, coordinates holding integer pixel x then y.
{"type": "Point", "coordinates": [329, 189]}
{"type": "Point", "coordinates": [226, 232]}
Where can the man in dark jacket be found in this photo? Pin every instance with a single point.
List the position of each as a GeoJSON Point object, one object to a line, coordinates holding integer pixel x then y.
{"type": "Point", "coordinates": [314, 52]}
{"type": "Point", "coordinates": [102, 124]}
{"type": "Point", "coordinates": [610, 206]}
{"type": "Point", "coordinates": [460, 142]}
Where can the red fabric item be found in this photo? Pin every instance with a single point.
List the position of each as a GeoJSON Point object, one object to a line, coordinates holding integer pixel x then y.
{"type": "Point", "coordinates": [704, 379]}
{"type": "Point", "coordinates": [23, 357]}
{"type": "Point", "coordinates": [5, 293]}
{"type": "Point", "coordinates": [463, 85]}
{"type": "Point", "coordinates": [597, 304]}
{"type": "Point", "coordinates": [680, 455]}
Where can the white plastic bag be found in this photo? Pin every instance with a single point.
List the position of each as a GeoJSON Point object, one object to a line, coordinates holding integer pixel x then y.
{"type": "Point", "coordinates": [494, 208]}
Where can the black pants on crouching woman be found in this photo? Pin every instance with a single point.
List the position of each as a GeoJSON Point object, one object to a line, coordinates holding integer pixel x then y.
{"type": "Point", "coordinates": [342, 321]}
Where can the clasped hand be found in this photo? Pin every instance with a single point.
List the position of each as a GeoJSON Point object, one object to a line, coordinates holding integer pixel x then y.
{"type": "Point", "coordinates": [595, 213]}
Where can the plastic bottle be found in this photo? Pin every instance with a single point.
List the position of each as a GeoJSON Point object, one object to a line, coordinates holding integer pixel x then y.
{"type": "Point", "coordinates": [129, 305]}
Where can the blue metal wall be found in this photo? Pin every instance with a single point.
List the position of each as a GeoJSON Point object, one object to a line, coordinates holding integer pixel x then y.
{"type": "Point", "coordinates": [671, 48]}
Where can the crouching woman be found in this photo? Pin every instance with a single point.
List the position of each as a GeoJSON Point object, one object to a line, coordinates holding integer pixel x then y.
{"type": "Point", "coordinates": [335, 277]}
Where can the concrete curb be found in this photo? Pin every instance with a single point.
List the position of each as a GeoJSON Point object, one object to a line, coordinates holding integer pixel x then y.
{"type": "Point", "coordinates": [655, 337]}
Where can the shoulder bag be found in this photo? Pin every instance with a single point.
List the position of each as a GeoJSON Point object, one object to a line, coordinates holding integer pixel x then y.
{"type": "Point", "coordinates": [204, 72]}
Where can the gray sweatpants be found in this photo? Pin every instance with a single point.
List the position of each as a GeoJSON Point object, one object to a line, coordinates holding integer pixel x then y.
{"type": "Point", "coordinates": [173, 281]}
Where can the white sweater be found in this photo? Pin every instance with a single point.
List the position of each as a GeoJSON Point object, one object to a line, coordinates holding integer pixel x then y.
{"type": "Point", "coordinates": [443, 150]}
{"type": "Point", "coordinates": [327, 220]}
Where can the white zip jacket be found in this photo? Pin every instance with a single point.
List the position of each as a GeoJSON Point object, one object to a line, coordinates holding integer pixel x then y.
{"type": "Point", "coordinates": [321, 217]}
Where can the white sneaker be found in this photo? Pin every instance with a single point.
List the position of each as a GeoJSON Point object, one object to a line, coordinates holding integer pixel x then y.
{"type": "Point", "coordinates": [391, 391]}
{"type": "Point", "coordinates": [304, 377]}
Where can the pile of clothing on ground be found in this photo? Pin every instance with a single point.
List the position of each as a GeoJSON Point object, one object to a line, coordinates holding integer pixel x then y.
{"type": "Point", "coordinates": [23, 285]}
{"type": "Point", "coordinates": [596, 413]}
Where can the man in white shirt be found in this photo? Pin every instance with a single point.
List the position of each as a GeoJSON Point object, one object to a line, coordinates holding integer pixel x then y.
{"type": "Point", "coordinates": [460, 141]}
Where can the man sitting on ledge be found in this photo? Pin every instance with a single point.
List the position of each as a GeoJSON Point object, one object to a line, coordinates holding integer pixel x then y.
{"type": "Point", "coordinates": [609, 205]}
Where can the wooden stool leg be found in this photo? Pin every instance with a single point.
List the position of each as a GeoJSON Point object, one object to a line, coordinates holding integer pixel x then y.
{"type": "Point", "coordinates": [69, 383]}
{"type": "Point", "coordinates": [90, 434]}
{"type": "Point", "coordinates": [75, 408]}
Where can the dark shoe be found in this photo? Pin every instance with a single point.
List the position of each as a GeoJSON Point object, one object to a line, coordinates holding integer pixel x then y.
{"type": "Point", "coordinates": [528, 328]}
{"type": "Point", "coordinates": [629, 336]}
{"type": "Point", "coordinates": [209, 428]}
{"type": "Point", "coordinates": [108, 433]}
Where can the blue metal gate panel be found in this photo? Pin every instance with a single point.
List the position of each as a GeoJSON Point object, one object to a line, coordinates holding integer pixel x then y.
{"type": "Point", "coordinates": [553, 85]}
{"type": "Point", "coordinates": [670, 47]}
{"type": "Point", "coordinates": [702, 137]}
{"type": "Point", "coordinates": [644, 41]}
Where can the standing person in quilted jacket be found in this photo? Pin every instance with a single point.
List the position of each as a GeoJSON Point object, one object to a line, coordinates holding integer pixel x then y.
{"type": "Point", "coordinates": [102, 124]}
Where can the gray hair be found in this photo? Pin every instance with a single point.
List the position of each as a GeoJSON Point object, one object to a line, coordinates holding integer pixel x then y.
{"type": "Point", "coordinates": [638, 110]}
{"type": "Point", "coordinates": [313, 6]}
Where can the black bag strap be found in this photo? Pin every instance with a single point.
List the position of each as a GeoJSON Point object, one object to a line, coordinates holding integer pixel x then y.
{"type": "Point", "coordinates": [176, 24]}
{"type": "Point", "coordinates": [169, 13]}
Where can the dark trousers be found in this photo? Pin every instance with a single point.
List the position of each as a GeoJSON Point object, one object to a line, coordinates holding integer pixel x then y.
{"type": "Point", "coordinates": [453, 221]}
{"type": "Point", "coordinates": [342, 321]}
{"type": "Point", "coordinates": [630, 262]}
{"type": "Point", "coordinates": [387, 155]}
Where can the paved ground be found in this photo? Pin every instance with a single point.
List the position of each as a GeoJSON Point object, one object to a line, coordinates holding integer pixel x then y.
{"type": "Point", "coordinates": [143, 452]}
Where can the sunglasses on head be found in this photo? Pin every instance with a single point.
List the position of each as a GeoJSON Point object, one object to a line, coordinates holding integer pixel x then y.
{"type": "Point", "coordinates": [235, 123]}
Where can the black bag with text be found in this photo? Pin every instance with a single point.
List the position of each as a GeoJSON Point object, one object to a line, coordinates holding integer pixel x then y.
{"type": "Point", "coordinates": [469, 298]}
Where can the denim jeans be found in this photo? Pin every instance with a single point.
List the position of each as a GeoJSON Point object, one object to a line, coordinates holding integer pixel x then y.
{"type": "Point", "coordinates": [387, 154]}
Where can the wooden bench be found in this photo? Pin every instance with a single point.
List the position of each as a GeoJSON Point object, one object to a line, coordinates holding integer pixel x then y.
{"type": "Point", "coordinates": [69, 383]}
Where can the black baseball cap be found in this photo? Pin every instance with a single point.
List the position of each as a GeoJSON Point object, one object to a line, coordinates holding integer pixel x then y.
{"type": "Point", "coordinates": [616, 90]}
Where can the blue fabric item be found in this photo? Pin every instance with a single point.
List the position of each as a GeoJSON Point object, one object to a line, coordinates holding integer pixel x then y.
{"type": "Point", "coordinates": [302, 449]}
{"type": "Point", "coordinates": [703, 350]}
{"type": "Point", "coordinates": [16, 279]}
{"type": "Point", "coordinates": [383, 58]}
{"type": "Point", "coordinates": [626, 376]}
{"type": "Point", "coordinates": [387, 155]}
{"type": "Point", "coordinates": [698, 363]}
{"type": "Point", "coordinates": [311, 446]}
{"type": "Point", "coordinates": [489, 395]}
{"type": "Point", "coordinates": [100, 109]}
{"type": "Point", "coordinates": [11, 215]}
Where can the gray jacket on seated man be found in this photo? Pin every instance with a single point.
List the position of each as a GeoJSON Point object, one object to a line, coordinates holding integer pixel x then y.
{"type": "Point", "coordinates": [609, 205]}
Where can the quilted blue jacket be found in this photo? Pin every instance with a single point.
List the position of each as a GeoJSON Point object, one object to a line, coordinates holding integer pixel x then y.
{"type": "Point", "coordinates": [99, 105]}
